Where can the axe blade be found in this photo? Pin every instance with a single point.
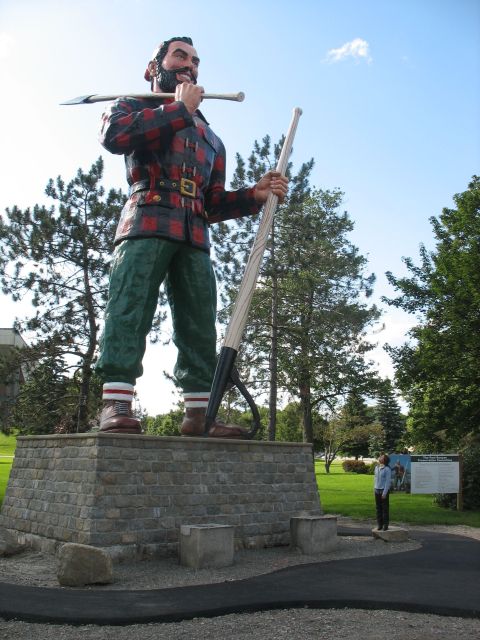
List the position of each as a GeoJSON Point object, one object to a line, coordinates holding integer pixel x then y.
{"type": "Point", "coordinates": [79, 100]}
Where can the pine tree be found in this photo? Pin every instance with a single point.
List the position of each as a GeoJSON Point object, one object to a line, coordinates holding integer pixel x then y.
{"type": "Point", "coordinates": [305, 332]}
{"type": "Point", "coordinates": [389, 415]}
{"type": "Point", "coordinates": [59, 255]}
{"type": "Point", "coordinates": [233, 242]}
{"type": "Point", "coordinates": [323, 311]}
{"type": "Point", "coordinates": [356, 417]}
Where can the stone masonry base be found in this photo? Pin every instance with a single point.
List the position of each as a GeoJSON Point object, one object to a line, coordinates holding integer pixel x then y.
{"type": "Point", "coordinates": [130, 494]}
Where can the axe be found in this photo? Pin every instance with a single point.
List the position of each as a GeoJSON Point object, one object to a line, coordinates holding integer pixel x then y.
{"type": "Point", "coordinates": [225, 373]}
{"type": "Point", "coordinates": [90, 99]}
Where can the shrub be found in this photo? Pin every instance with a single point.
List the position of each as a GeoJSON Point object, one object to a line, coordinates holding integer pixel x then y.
{"type": "Point", "coordinates": [471, 482]}
{"type": "Point", "coordinates": [354, 466]}
{"type": "Point", "coordinates": [446, 500]}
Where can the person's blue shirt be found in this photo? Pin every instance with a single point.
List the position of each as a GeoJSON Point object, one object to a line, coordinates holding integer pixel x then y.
{"type": "Point", "coordinates": [383, 479]}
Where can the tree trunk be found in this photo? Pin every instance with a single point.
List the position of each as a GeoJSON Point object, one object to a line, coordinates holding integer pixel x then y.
{"type": "Point", "coordinates": [306, 407]}
{"type": "Point", "coordinates": [305, 375]}
{"type": "Point", "coordinates": [84, 393]}
{"type": "Point", "coordinates": [273, 358]}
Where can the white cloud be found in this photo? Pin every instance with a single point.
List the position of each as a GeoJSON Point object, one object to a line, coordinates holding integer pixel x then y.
{"type": "Point", "coordinates": [6, 45]}
{"type": "Point", "coordinates": [357, 49]}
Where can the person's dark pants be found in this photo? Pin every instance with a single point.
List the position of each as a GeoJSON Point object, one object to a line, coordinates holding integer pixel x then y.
{"type": "Point", "coordinates": [382, 508]}
{"type": "Point", "coordinates": [138, 269]}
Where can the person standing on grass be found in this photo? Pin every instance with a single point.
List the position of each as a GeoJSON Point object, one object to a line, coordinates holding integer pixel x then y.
{"type": "Point", "coordinates": [383, 481]}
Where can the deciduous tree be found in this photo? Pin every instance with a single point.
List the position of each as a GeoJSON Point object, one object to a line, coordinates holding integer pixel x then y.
{"type": "Point", "coordinates": [437, 371]}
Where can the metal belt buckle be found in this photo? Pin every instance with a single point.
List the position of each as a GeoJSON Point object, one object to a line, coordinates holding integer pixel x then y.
{"type": "Point", "coordinates": [188, 188]}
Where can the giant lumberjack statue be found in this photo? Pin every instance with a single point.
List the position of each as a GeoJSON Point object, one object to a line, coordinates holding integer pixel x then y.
{"type": "Point", "coordinates": [175, 168]}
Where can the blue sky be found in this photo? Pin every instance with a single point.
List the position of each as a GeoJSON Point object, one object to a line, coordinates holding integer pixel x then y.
{"type": "Point", "coordinates": [390, 92]}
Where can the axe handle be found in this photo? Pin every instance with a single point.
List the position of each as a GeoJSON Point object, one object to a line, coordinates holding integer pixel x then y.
{"type": "Point", "coordinates": [237, 97]}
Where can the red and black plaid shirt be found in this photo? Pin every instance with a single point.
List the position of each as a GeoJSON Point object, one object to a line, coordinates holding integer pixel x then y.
{"type": "Point", "coordinates": [163, 144]}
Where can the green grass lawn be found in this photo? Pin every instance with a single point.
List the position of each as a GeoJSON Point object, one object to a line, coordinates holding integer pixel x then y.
{"type": "Point", "coordinates": [4, 473]}
{"type": "Point", "coordinates": [7, 445]}
{"type": "Point", "coordinates": [351, 494]}
{"type": "Point", "coordinates": [7, 449]}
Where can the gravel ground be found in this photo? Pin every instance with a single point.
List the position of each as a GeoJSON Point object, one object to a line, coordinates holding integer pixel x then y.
{"type": "Point", "coordinates": [38, 569]}
{"type": "Point", "coordinates": [331, 624]}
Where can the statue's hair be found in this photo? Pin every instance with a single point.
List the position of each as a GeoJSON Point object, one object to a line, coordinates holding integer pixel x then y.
{"type": "Point", "coordinates": [162, 51]}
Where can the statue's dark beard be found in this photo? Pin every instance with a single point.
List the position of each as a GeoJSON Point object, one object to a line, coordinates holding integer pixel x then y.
{"type": "Point", "coordinates": [168, 79]}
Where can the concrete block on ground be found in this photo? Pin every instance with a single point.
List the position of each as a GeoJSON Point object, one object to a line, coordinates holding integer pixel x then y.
{"type": "Point", "coordinates": [208, 545]}
{"type": "Point", "coordinates": [80, 564]}
{"type": "Point", "coordinates": [392, 534]}
{"type": "Point", "coordinates": [314, 534]}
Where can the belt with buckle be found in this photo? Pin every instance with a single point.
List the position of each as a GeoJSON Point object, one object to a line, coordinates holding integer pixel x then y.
{"type": "Point", "coordinates": [185, 186]}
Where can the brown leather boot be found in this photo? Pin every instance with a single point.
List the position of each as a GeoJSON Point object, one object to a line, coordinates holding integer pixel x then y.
{"type": "Point", "coordinates": [117, 417]}
{"type": "Point", "coordinates": [194, 425]}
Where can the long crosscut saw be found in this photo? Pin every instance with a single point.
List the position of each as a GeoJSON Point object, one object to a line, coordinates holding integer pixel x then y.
{"type": "Point", "coordinates": [226, 373]}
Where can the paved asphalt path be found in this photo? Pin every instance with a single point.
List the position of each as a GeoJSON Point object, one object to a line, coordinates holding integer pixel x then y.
{"type": "Point", "coordinates": [443, 578]}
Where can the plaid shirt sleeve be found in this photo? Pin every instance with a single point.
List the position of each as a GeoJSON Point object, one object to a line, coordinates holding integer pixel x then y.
{"type": "Point", "coordinates": [129, 125]}
{"type": "Point", "coordinates": [223, 205]}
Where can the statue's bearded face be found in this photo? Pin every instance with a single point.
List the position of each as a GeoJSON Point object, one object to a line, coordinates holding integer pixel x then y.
{"type": "Point", "coordinates": [180, 64]}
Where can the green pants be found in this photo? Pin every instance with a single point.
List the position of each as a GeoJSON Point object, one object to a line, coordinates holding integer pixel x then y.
{"type": "Point", "coordinates": [138, 269]}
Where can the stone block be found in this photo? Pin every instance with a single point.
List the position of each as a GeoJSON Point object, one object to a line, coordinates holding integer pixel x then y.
{"type": "Point", "coordinates": [314, 534]}
{"type": "Point", "coordinates": [203, 546]}
{"type": "Point", "coordinates": [392, 534]}
{"type": "Point", "coordinates": [8, 544]}
{"type": "Point", "coordinates": [96, 488]}
{"type": "Point", "coordinates": [80, 564]}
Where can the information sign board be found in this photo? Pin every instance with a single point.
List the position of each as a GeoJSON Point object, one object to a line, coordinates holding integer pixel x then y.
{"type": "Point", "coordinates": [435, 473]}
